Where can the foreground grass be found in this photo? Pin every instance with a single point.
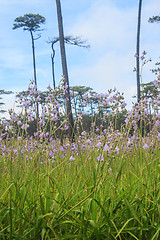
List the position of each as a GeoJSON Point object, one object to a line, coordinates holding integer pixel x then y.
{"type": "Point", "coordinates": [81, 198]}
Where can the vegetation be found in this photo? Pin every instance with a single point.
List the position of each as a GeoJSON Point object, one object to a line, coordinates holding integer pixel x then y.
{"type": "Point", "coordinates": [104, 185]}
{"type": "Point", "coordinates": [81, 166]}
{"type": "Point", "coordinates": [3, 92]}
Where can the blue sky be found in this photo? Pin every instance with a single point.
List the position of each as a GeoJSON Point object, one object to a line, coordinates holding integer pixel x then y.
{"type": "Point", "coordinates": [110, 27]}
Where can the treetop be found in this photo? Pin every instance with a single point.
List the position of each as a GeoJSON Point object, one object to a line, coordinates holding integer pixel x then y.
{"type": "Point", "coordinates": [30, 22]}
{"type": "Point", "coordinates": [154, 19]}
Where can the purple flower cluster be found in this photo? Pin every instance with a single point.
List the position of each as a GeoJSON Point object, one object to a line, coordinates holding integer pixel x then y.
{"type": "Point", "coordinates": [106, 142]}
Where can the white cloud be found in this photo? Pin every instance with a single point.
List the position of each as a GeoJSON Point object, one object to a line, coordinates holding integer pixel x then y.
{"type": "Point", "coordinates": [104, 25]}
{"type": "Point", "coordinates": [14, 58]}
{"type": "Point", "coordinates": [112, 34]}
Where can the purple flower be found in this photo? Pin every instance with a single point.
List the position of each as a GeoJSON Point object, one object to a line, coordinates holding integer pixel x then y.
{"type": "Point", "coordinates": [6, 123]}
{"type": "Point", "coordinates": [106, 148]}
{"type": "Point", "coordinates": [51, 154]}
{"type": "Point", "coordinates": [99, 144]}
{"type": "Point", "coordinates": [117, 150]}
{"type": "Point", "coordinates": [71, 158]}
{"type": "Point", "coordinates": [145, 146]}
{"type": "Point", "coordinates": [41, 135]}
{"type": "Point", "coordinates": [157, 123]}
{"type": "Point", "coordinates": [25, 126]}
{"type": "Point", "coordinates": [49, 87]}
{"type": "Point", "coordinates": [126, 120]}
{"type": "Point", "coordinates": [84, 103]}
{"type": "Point", "coordinates": [14, 118]}
{"type": "Point", "coordinates": [42, 122]}
{"type": "Point", "coordinates": [26, 104]}
{"type": "Point", "coordinates": [38, 99]}
{"type": "Point", "coordinates": [109, 169]}
{"type": "Point", "coordinates": [47, 134]}
{"type": "Point", "coordinates": [66, 127]}
{"type": "Point", "coordinates": [100, 158]}
{"type": "Point", "coordinates": [155, 82]}
{"type": "Point", "coordinates": [124, 104]}
{"type": "Point", "coordinates": [61, 149]}
{"type": "Point", "coordinates": [83, 133]}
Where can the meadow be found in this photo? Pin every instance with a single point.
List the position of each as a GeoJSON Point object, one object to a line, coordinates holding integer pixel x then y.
{"type": "Point", "coordinates": [104, 185]}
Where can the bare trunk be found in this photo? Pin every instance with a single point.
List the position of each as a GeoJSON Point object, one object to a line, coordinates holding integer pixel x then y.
{"type": "Point", "coordinates": [137, 53]}
{"type": "Point", "coordinates": [65, 71]}
{"type": "Point", "coordinates": [35, 77]}
{"type": "Point", "coordinates": [53, 75]}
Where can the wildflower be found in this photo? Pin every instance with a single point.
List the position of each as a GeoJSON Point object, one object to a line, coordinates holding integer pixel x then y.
{"type": "Point", "coordinates": [51, 154]}
{"type": "Point", "coordinates": [66, 127]}
{"type": "Point", "coordinates": [25, 126]}
{"type": "Point", "coordinates": [49, 87]}
{"type": "Point", "coordinates": [66, 85]}
{"type": "Point", "coordinates": [19, 122]}
{"type": "Point", "coordinates": [31, 119]}
{"type": "Point", "coordinates": [126, 120]}
{"type": "Point", "coordinates": [145, 146]}
{"type": "Point", "coordinates": [155, 82]}
{"type": "Point", "coordinates": [100, 158]}
{"type": "Point", "coordinates": [84, 103]}
{"type": "Point", "coordinates": [89, 141]}
{"type": "Point", "coordinates": [144, 53]}
{"type": "Point", "coordinates": [54, 118]}
{"type": "Point", "coordinates": [157, 123]}
{"type": "Point", "coordinates": [14, 118]}
{"type": "Point", "coordinates": [109, 169]}
{"type": "Point", "coordinates": [6, 123]}
{"type": "Point", "coordinates": [38, 99]}
{"type": "Point", "coordinates": [42, 122]}
{"type": "Point", "coordinates": [117, 150]}
{"type": "Point", "coordinates": [79, 117]}
{"type": "Point", "coordinates": [71, 158]}
{"type": "Point", "coordinates": [99, 144]}
{"type": "Point", "coordinates": [41, 135]}
{"type": "Point", "coordinates": [10, 111]}
{"type": "Point", "coordinates": [136, 55]}
{"type": "Point", "coordinates": [61, 149]}
{"type": "Point", "coordinates": [47, 134]}
{"type": "Point", "coordinates": [26, 104]}
{"type": "Point", "coordinates": [106, 148]}
{"type": "Point", "coordinates": [124, 104]}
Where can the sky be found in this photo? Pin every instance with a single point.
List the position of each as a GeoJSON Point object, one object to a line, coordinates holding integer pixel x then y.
{"type": "Point", "coordinates": [109, 26]}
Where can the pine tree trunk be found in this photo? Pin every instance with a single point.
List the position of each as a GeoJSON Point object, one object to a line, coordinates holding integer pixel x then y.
{"type": "Point", "coordinates": [137, 53]}
{"type": "Point", "coordinates": [65, 71]}
{"type": "Point", "coordinates": [35, 77]}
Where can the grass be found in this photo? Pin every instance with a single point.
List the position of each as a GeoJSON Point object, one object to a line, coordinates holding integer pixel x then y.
{"type": "Point", "coordinates": [80, 199]}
